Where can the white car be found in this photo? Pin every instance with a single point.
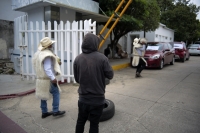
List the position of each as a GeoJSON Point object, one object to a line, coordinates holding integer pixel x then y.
{"type": "Point", "coordinates": [194, 49]}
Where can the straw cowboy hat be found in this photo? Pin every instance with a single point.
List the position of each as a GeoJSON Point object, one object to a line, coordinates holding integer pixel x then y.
{"type": "Point", "coordinates": [136, 42]}
{"type": "Point", "coordinates": [45, 42]}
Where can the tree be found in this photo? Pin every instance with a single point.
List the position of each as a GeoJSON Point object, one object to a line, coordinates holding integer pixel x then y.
{"type": "Point", "coordinates": [181, 16]}
{"type": "Point", "coordinates": [134, 17]}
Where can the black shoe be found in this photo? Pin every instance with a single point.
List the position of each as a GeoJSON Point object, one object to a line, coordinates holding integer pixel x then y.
{"type": "Point", "coordinates": [137, 75]}
{"type": "Point", "coordinates": [44, 115]}
{"type": "Point", "coordinates": [58, 113]}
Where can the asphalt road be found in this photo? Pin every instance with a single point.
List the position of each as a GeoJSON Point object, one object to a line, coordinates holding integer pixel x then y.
{"type": "Point", "coordinates": [162, 101]}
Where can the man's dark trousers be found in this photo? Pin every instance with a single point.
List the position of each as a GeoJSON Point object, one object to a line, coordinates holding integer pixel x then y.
{"type": "Point", "coordinates": [141, 65]}
{"type": "Point", "coordinates": [95, 113]}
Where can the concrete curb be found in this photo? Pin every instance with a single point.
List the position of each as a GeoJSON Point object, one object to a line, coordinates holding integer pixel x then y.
{"type": "Point", "coordinates": [16, 94]}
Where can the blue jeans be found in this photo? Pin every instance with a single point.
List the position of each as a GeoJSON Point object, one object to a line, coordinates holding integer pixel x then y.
{"type": "Point", "coordinates": [84, 110]}
{"type": "Point", "coordinates": [56, 99]}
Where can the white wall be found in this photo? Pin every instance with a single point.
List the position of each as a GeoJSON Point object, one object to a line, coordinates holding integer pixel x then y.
{"type": "Point", "coordinates": [164, 34]}
{"type": "Point", "coordinates": [36, 14]}
{"type": "Point", "coordinates": [6, 12]}
{"type": "Point", "coordinates": [150, 36]}
{"type": "Point", "coordinates": [87, 5]}
{"type": "Point", "coordinates": [67, 15]}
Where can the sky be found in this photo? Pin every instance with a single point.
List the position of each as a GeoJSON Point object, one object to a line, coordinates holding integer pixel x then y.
{"type": "Point", "coordinates": [196, 2]}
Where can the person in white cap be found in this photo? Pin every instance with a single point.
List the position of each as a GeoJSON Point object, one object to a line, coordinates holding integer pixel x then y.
{"type": "Point", "coordinates": [138, 55]}
{"type": "Point", "coordinates": [47, 69]}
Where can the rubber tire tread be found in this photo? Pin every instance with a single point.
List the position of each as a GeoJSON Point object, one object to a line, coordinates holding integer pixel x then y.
{"type": "Point", "coordinates": [109, 111]}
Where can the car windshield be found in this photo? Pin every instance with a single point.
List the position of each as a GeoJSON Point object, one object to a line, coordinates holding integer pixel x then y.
{"type": "Point", "coordinates": [194, 45]}
{"type": "Point", "coordinates": [178, 46]}
{"type": "Point", "coordinates": [198, 42]}
{"type": "Point", "coordinates": [157, 46]}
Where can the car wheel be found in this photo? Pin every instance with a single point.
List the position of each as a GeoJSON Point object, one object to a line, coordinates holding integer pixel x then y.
{"type": "Point", "coordinates": [188, 57]}
{"type": "Point", "coordinates": [108, 111]}
{"type": "Point", "coordinates": [161, 64]}
{"type": "Point", "coordinates": [183, 59]}
{"type": "Point", "coordinates": [172, 62]}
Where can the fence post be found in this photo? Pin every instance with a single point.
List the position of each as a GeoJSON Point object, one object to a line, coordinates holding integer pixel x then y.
{"type": "Point", "coordinates": [67, 27]}
{"type": "Point", "coordinates": [32, 47]}
{"type": "Point", "coordinates": [62, 50]}
{"type": "Point", "coordinates": [27, 53]}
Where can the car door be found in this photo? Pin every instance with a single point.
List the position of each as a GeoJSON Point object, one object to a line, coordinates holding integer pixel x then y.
{"type": "Point", "coordinates": [166, 53]}
{"type": "Point", "coordinates": [186, 50]}
{"type": "Point", "coordinates": [171, 52]}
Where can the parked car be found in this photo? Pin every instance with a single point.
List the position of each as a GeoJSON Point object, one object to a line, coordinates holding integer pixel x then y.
{"type": "Point", "coordinates": [181, 51]}
{"type": "Point", "coordinates": [158, 54]}
{"type": "Point", "coordinates": [194, 49]}
{"type": "Point", "coordinates": [197, 42]}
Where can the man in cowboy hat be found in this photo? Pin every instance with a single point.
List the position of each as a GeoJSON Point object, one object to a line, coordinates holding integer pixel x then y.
{"type": "Point", "coordinates": [47, 69]}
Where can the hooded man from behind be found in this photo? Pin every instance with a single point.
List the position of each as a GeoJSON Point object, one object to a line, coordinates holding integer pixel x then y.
{"type": "Point", "coordinates": [90, 70]}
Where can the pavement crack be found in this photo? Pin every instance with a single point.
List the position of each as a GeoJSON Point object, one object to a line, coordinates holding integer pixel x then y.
{"type": "Point", "coordinates": [14, 107]}
{"type": "Point", "coordinates": [144, 126]}
{"type": "Point", "coordinates": [35, 123]}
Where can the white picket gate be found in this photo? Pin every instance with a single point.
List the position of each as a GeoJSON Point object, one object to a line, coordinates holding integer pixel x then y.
{"type": "Point", "coordinates": [68, 37]}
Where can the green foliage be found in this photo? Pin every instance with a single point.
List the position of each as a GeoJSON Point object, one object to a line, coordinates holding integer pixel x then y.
{"type": "Point", "coordinates": [181, 17]}
{"type": "Point", "coordinates": [140, 15]}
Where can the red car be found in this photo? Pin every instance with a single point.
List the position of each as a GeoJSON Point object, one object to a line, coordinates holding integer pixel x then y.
{"type": "Point", "coordinates": [181, 51]}
{"type": "Point", "coordinates": [158, 54]}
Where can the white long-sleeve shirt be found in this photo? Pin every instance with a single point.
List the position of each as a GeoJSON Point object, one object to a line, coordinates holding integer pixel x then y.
{"type": "Point", "coordinates": [140, 50]}
{"type": "Point", "coordinates": [49, 68]}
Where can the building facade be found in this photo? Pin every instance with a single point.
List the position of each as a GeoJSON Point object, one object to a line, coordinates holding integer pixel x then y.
{"type": "Point", "coordinates": [161, 34]}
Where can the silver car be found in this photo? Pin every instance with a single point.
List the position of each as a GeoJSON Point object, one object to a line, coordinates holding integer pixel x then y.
{"type": "Point", "coordinates": [194, 49]}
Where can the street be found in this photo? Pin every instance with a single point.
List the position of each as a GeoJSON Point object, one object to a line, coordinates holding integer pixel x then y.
{"type": "Point", "coordinates": [162, 101]}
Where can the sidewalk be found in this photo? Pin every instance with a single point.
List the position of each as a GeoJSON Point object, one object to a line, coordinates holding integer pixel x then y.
{"type": "Point", "coordinates": [12, 86]}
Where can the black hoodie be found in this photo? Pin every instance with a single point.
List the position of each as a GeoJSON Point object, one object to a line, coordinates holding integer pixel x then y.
{"type": "Point", "coordinates": [90, 70]}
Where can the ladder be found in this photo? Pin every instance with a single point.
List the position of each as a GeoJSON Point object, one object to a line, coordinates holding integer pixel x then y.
{"type": "Point", "coordinates": [116, 21]}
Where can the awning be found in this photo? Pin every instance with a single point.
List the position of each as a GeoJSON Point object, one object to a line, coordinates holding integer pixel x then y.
{"type": "Point", "coordinates": [85, 14]}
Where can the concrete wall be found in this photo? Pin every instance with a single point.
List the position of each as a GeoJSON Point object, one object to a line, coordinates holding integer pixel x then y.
{"type": "Point", "coordinates": [67, 15]}
{"type": "Point", "coordinates": [36, 14]}
{"type": "Point", "coordinates": [6, 12]}
{"type": "Point", "coordinates": [87, 5]}
{"type": "Point", "coordinates": [6, 38]}
{"type": "Point", "coordinates": [164, 34]}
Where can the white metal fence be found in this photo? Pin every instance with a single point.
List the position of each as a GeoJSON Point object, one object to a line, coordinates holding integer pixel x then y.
{"type": "Point", "coordinates": [68, 39]}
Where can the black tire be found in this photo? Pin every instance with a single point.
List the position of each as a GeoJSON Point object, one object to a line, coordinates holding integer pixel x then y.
{"type": "Point", "coordinates": [161, 64]}
{"type": "Point", "coordinates": [183, 59]}
{"type": "Point", "coordinates": [107, 81]}
{"type": "Point", "coordinates": [188, 57]}
{"type": "Point", "coordinates": [108, 111]}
